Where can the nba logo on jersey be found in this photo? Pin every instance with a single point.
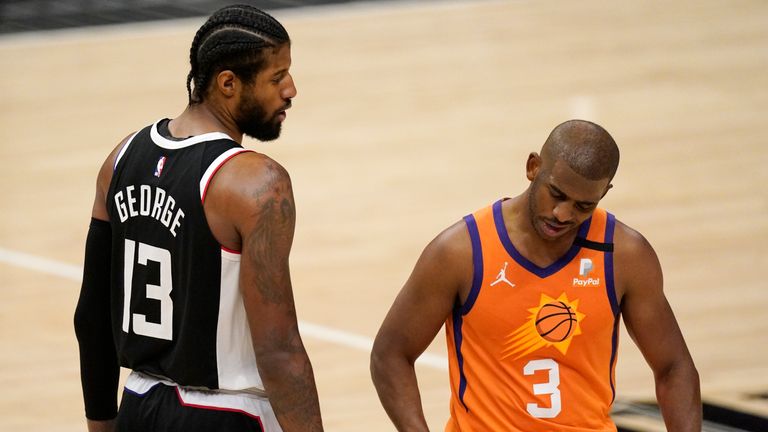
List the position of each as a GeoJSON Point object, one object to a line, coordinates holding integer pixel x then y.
{"type": "Point", "coordinates": [160, 165]}
{"type": "Point", "coordinates": [585, 266]}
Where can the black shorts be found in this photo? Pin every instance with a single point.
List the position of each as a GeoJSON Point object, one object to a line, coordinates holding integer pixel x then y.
{"type": "Point", "coordinates": [161, 409]}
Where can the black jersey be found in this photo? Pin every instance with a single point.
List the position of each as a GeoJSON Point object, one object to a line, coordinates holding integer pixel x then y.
{"type": "Point", "coordinates": [176, 308]}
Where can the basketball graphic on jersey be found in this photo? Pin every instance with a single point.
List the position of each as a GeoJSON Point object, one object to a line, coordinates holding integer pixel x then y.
{"type": "Point", "coordinates": [555, 321]}
{"type": "Point", "coordinates": [552, 323]}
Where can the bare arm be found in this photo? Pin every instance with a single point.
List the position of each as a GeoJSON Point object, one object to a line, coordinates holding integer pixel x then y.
{"type": "Point", "coordinates": [255, 194]}
{"type": "Point", "coordinates": [652, 325]}
{"type": "Point", "coordinates": [441, 274]}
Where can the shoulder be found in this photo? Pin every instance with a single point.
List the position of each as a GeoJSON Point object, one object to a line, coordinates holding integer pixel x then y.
{"type": "Point", "coordinates": [251, 176]}
{"type": "Point", "coordinates": [448, 259]}
{"type": "Point", "coordinates": [251, 165]}
{"type": "Point", "coordinates": [630, 243]}
{"type": "Point", "coordinates": [453, 243]}
{"type": "Point", "coordinates": [248, 190]}
{"type": "Point", "coordinates": [636, 265]}
{"type": "Point", "coordinates": [108, 165]}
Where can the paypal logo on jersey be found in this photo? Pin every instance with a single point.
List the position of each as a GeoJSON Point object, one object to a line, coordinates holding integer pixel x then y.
{"type": "Point", "coordinates": [585, 267]}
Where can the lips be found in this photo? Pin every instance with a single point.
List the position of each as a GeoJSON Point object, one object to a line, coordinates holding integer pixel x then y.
{"type": "Point", "coordinates": [281, 115]}
{"type": "Point", "coordinates": [553, 229]}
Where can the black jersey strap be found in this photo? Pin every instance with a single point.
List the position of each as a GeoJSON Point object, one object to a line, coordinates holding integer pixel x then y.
{"type": "Point", "coordinates": [589, 244]}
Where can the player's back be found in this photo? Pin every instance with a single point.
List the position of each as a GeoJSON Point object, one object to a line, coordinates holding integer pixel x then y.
{"type": "Point", "coordinates": [176, 308]}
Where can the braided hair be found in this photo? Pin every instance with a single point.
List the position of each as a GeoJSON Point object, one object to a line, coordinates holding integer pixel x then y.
{"type": "Point", "coordinates": [233, 38]}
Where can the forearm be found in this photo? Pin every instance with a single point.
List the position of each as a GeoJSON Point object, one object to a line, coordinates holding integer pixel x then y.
{"type": "Point", "coordinates": [290, 385]}
{"type": "Point", "coordinates": [101, 425]}
{"type": "Point", "coordinates": [397, 387]}
{"type": "Point", "coordinates": [679, 398]}
{"type": "Point", "coordinates": [99, 370]}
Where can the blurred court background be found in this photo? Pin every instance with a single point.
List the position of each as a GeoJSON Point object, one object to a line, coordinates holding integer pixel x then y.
{"type": "Point", "coordinates": [409, 115]}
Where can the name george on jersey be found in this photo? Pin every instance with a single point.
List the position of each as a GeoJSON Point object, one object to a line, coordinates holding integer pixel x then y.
{"type": "Point", "coordinates": [149, 201]}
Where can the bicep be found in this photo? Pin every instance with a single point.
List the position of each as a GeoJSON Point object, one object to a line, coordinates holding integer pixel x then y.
{"type": "Point", "coordinates": [427, 297]}
{"type": "Point", "coordinates": [647, 314]}
{"type": "Point", "coordinates": [265, 219]}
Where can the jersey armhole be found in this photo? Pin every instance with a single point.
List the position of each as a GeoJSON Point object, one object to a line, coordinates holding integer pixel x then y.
{"type": "Point", "coordinates": [477, 264]}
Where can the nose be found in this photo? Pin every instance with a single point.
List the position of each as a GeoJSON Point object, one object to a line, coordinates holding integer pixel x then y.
{"type": "Point", "coordinates": [563, 212]}
{"type": "Point", "coordinates": [289, 92]}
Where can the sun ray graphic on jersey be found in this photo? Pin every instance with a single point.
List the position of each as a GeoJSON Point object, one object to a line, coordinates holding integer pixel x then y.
{"type": "Point", "coordinates": [537, 333]}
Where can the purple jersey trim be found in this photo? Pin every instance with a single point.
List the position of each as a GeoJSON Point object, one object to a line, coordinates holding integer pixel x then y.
{"type": "Point", "coordinates": [610, 225]}
{"type": "Point", "coordinates": [609, 284]}
{"type": "Point", "coordinates": [614, 350]}
{"type": "Point", "coordinates": [477, 261]}
{"type": "Point", "coordinates": [461, 310]}
{"type": "Point", "coordinates": [457, 339]}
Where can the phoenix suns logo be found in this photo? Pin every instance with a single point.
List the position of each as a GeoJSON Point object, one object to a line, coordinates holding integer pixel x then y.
{"type": "Point", "coordinates": [554, 322]}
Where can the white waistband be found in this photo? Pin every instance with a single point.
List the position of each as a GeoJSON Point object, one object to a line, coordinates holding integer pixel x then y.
{"type": "Point", "coordinates": [249, 403]}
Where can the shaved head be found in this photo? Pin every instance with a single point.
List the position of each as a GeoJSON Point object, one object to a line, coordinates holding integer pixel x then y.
{"type": "Point", "coordinates": [586, 147]}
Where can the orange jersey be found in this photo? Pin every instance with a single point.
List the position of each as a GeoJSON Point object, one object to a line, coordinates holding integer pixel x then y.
{"type": "Point", "coordinates": [534, 349]}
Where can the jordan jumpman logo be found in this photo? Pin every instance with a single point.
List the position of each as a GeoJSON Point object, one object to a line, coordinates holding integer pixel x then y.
{"type": "Point", "coordinates": [502, 277]}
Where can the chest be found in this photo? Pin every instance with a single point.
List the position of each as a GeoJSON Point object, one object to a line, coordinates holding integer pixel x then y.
{"type": "Point", "coordinates": [552, 304]}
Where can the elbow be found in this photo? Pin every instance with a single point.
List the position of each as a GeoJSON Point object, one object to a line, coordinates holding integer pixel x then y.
{"type": "Point", "coordinates": [280, 362]}
{"type": "Point", "coordinates": [84, 322]}
{"type": "Point", "coordinates": [677, 373]}
{"type": "Point", "coordinates": [385, 360]}
{"type": "Point", "coordinates": [376, 363]}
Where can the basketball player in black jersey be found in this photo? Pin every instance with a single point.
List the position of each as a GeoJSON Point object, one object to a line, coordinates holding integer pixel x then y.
{"type": "Point", "coordinates": [186, 278]}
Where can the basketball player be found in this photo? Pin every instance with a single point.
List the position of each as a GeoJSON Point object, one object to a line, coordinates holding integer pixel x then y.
{"type": "Point", "coordinates": [538, 353]}
{"type": "Point", "coordinates": [192, 234]}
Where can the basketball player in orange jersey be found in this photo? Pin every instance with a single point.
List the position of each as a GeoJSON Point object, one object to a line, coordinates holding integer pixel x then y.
{"type": "Point", "coordinates": [186, 277]}
{"type": "Point", "coordinates": [530, 290]}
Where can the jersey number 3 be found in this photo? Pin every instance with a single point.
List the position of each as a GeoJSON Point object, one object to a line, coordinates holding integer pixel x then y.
{"type": "Point", "coordinates": [161, 293]}
{"type": "Point", "coordinates": [547, 388]}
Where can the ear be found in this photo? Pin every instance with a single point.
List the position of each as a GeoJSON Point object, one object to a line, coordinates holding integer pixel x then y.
{"type": "Point", "coordinates": [532, 166]}
{"type": "Point", "coordinates": [227, 83]}
{"type": "Point", "coordinates": [607, 188]}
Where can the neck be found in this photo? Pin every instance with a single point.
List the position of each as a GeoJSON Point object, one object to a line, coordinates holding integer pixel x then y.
{"type": "Point", "coordinates": [202, 118]}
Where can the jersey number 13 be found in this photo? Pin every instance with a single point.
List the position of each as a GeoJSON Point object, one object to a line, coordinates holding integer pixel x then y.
{"type": "Point", "coordinates": [161, 293]}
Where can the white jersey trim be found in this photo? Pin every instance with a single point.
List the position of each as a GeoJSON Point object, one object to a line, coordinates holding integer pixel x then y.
{"type": "Point", "coordinates": [214, 167]}
{"type": "Point", "coordinates": [165, 143]}
{"type": "Point", "coordinates": [122, 150]}
{"type": "Point", "coordinates": [235, 359]}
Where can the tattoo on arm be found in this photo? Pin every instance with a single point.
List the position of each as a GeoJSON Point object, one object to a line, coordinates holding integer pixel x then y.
{"type": "Point", "coordinates": [287, 371]}
{"type": "Point", "coordinates": [270, 242]}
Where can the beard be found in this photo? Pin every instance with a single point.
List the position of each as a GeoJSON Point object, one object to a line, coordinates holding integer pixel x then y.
{"type": "Point", "coordinates": [252, 120]}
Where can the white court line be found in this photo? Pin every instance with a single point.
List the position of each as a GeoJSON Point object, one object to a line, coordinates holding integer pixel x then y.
{"type": "Point", "coordinates": [327, 334]}
{"type": "Point", "coordinates": [41, 265]}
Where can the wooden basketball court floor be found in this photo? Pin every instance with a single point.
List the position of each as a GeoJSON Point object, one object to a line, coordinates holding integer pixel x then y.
{"type": "Point", "coordinates": [408, 116]}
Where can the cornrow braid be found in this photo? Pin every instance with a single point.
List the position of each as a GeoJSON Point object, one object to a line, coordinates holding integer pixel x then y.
{"type": "Point", "coordinates": [233, 38]}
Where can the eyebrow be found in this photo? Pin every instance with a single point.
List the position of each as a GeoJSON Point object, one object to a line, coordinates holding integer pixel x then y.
{"type": "Point", "coordinates": [280, 72]}
{"type": "Point", "coordinates": [558, 191]}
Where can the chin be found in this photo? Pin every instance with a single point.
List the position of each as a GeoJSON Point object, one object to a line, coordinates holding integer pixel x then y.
{"type": "Point", "coordinates": [264, 134]}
